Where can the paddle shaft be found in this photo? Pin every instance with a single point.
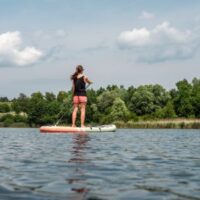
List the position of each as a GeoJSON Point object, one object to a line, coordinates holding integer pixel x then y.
{"type": "Point", "coordinates": [64, 113]}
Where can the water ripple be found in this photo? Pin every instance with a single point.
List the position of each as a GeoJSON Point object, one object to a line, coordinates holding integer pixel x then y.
{"type": "Point", "coordinates": [128, 164]}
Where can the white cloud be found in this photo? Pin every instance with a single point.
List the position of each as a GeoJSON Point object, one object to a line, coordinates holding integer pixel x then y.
{"type": "Point", "coordinates": [136, 37]}
{"type": "Point", "coordinates": [12, 53]}
{"type": "Point", "coordinates": [146, 15]}
{"type": "Point", "coordinates": [161, 43]}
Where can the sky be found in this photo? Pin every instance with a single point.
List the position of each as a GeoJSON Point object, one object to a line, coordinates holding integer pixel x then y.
{"type": "Point", "coordinates": [122, 42]}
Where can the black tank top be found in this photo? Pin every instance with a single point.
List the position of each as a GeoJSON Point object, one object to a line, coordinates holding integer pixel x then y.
{"type": "Point", "coordinates": [79, 84]}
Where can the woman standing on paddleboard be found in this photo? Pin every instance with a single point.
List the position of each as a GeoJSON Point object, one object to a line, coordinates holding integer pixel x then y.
{"type": "Point", "coordinates": [79, 81]}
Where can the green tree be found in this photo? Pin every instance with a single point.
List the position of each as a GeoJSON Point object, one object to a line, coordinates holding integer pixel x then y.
{"type": "Point", "coordinates": [94, 114]}
{"type": "Point", "coordinates": [4, 99]}
{"type": "Point", "coordinates": [20, 118]}
{"type": "Point", "coordinates": [111, 87]}
{"type": "Point", "coordinates": [119, 111]}
{"type": "Point", "coordinates": [49, 96]}
{"type": "Point", "coordinates": [20, 104]}
{"type": "Point", "coordinates": [161, 96]}
{"type": "Point", "coordinates": [66, 109]}
{"type": "Point", "coordinates": [166, 112]}
{"type": "Point", "coordinates": [62, 95]}
{"type": "Point", "coordinates": [173, 94]}
{"type": "Point", "coordinates": [183, 101]}
{"type": "Point", "coordinates": [105, 101]}
{"type": "Point", "coordinates": [129, 93]}
{"type": "Point", "coordinates": [100, 91]}
{"type": "Point", "coordinates": [92, 99]}
{"type": "Point", "coordinates": [7, 116]}
{"type": "Point", "coordinates": [37, 109]}
{"type": "Point", "coordinates": [4, 107]}
{"type": "Point", "coordinates": [196, 96]}
{"type": "Point", "coordinates": [7, 120]}
{"type": "Point", "coordinates": [142, 101]}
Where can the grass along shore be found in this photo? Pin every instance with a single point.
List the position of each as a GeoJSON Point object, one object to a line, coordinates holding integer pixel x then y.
{"type": "Point", "coordinates": [179, 123]}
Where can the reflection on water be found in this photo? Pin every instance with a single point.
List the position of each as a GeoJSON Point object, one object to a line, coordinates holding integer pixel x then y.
{"type": "Point", "coordinates": [79, 159]}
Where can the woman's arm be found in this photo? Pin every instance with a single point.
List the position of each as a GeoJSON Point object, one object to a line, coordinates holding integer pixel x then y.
{"type": "Point", "coordinates": [87, 80]}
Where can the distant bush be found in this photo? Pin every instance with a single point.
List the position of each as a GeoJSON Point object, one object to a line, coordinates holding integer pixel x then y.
{"type": "Point", "coordinates": [4, 99]}
{"type": "Point", "coordinates": [7, 122]}
{"type": "Point", "coordinates": [4, 107]}
{"type": "Point", "coordinates": [8, 119]}
{"type": "Point", "coordinates": [19, 118]}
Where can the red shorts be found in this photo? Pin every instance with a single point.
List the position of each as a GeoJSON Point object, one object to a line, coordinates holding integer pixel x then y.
{"type": "Point", "coordinates": [79, 99]}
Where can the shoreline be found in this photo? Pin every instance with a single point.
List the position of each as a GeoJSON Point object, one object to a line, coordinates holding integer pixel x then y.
{"type": "Point", "coordinates": [143, 124]}
{"type": "Point", "coordinates": [161, 124]}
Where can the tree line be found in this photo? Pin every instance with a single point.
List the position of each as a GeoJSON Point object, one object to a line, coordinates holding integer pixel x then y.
{"type": "Point", "coordinates": [106, 105]}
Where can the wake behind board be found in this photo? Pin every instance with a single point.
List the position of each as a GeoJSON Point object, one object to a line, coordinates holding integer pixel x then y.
{"type": "Point", "coordinates": [69, 129]}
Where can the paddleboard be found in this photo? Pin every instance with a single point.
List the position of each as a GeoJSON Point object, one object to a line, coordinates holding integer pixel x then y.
{"type": "Point", "coordinates": [69, 129]}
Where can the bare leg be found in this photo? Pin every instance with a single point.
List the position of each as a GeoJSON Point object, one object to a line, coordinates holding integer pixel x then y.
{"type": "Point", "coordinates": [74, 114]}
{"type": "Point", "coordinates": [83, 106]}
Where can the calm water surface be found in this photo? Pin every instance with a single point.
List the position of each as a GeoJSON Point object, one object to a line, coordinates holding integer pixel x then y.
{"type": "Point", "coordinates": [128, 164]}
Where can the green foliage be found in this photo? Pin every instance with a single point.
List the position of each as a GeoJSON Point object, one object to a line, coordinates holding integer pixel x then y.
{"type": "Point", "coordinates": [105, 105]}
{"type": "Point", "coordinates": [94, 113]}
{"type": "Point", "coordinates": [7, 116]}
{"type": "Point", "coordinates": [142, 101]}
{"type": "Point", "coordinates": [105, 101]}
{"type": "Point", "coordinates": [36, 113]}
{"type": "Point", "coordinates": [9, 119]}
{"type": "Point", "coordinates": [4, 99]}
{"type": "Point", "coordinates": [196, 96]}
{"type": "Point", "coordinates": [20, 118]}
{"type": "Point", "coordinates": [119, 111]}
{"type": "Point", "coordinates": [49, 96]}
{"type": "Point", "coordinates": [4, 107]}
{"type": "Point", "coordinates": [161, 96]}
{"type": "Point", "coordinates": [43, 109]}
{"type": "Point", "coordinates": [92, 110]}
{"type": "Point", "coordinates": [20, 104]}
{"type": "Point", "coordinates": [173, 93]}
{"type": "Point", "coordinates": [166, 112]}
{"type": "Point", "coordinates": [183, 100]}
{"type": "Point", "coordinates": [37, 109]}
{"type": "Point", "coordinates": [100, 91]}
{"type": "Point", "coordinates": [8, 122]}
{"type": "Point", "coordinates": [147, 99]}
{"type": "Point", "coordinates": [62, 95]}
{"type": "Point", "coordinates": [129, 93]}
{"type": "Point", "coordinates": [66, 109]}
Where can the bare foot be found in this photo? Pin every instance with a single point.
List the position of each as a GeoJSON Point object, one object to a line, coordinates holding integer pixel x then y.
{"type": "Point", "coordinates": [83, 126]}
{"type": "Point", "coordinates": [73, 125]}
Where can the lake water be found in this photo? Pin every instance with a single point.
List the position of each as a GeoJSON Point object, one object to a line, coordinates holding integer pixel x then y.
{"type": "Point", "coordinates": [129, 164]}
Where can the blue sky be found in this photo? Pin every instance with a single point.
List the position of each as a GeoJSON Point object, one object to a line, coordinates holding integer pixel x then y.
{"type": "Point", "coordinates": [129, 42]}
